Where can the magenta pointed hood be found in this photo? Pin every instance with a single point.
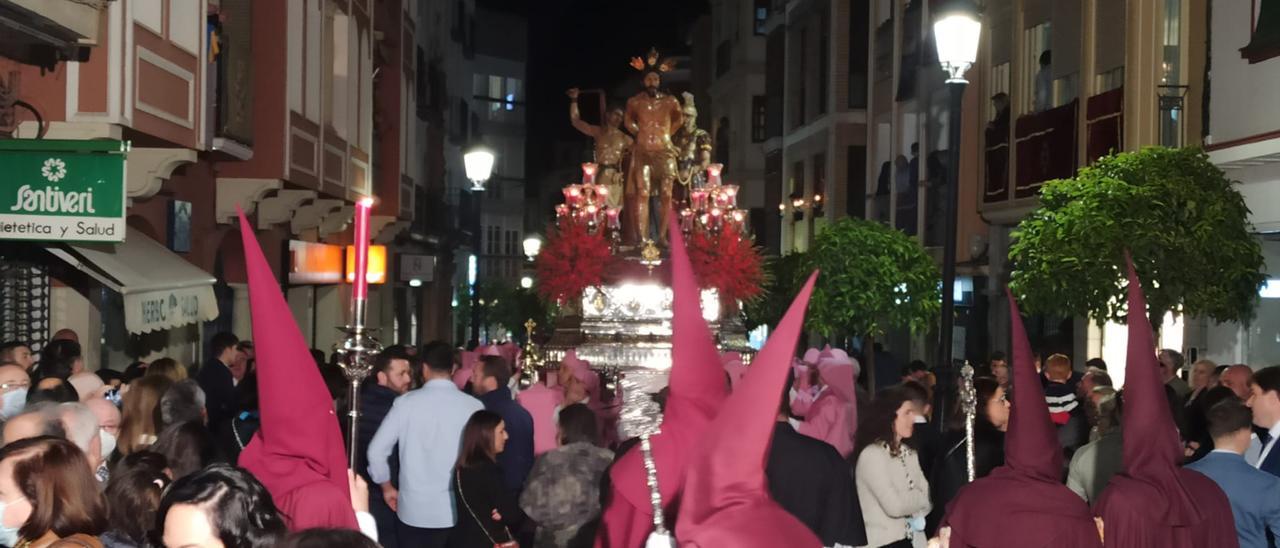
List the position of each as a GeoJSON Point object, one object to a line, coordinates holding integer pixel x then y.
{"type": "Point", "coordinates": [726, 499]}
{"type": "Point", "coordinates": [299, 445]}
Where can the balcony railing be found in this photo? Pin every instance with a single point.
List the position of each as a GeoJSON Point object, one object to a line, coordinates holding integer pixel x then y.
{"type": "Point", "coordinates": [1045, 145]}
{"type": "Point", "coordinates": [1104, 123]}
{"type": "Point", "coordinates": [232, 70]}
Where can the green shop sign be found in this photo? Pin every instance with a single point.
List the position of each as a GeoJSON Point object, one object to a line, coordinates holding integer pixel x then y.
{"type": "Point", "coordinates": [53, 190]}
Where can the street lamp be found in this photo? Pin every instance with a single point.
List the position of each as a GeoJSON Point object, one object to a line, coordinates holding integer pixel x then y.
{"type": "Point", "coordinates": [478, 160]}
{"type": "Point", "coordinates": [957, 28]}
{"type": "Point", "coordinates": [532, 245]}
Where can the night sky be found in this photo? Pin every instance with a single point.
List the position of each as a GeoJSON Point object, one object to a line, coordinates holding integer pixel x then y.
{"type": "Point", "coordinates": [587, 44]}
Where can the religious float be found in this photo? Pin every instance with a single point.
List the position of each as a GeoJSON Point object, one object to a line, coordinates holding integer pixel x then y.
{"type": "Point", "coordinates": [604, 260]}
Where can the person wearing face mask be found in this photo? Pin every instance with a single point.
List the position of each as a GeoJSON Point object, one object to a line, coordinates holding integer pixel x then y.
{"type": "Point", "coordinates": [68, 510]}
{"type": "Point", "coordinates": [83, 430]}
{"type": "Point", "coordinates": [14, 383]}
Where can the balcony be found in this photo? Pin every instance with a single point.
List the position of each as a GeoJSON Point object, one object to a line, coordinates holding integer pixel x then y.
{"type": "Point", "coordinates": [231, 73]}
{"type": "Point", "coordinates": [1045, 145]}
{"type": "Point", "coordinates": [44, 32]}
{"type": "Point", "coordinates": [1104, 124]}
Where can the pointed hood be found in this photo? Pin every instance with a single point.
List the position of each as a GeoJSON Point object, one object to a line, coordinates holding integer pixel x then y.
{"type": "Point", "coordinates": [1031, 443]}
{"type": "Point", "coordinates": [811, 356]}
{"type": "Point", "coordinates": [467, 363]}
{"type": "Point", "coordinates": [581, 370]}
{"type": "Point", "coordinates": [1023, 504]}
{"type": "Point", "coordinates": [697, 377]}
{"type": "Point", "coordinates": [726, 500]}
{"type": "Point", "coordinates": [839, 372]}
{"type": "Point", "coordinates": [1152, 450]}
{"type": "Point", "coordinates": [489, 350]}
{"type": "Point", "coordinates": [299, 443]}
{"type": "Point", "coordinates": [696, 388]}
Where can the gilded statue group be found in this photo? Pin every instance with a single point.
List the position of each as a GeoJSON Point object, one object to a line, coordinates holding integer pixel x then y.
{"type": "Point", "coordinates": [650, 154]}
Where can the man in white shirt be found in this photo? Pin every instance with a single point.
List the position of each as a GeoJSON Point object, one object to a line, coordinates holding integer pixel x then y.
{"type": "Point", "coordinates": [427, 424]}
{"type": "Point", "coordinates": [1265, 403]}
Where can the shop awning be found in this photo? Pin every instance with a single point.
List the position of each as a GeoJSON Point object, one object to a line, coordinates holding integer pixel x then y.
{"type": "Point", "coordinates": [161, 290]}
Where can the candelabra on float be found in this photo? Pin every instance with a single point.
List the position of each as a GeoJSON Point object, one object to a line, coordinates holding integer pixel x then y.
{"type": "Point", "coordinates": [588, 203]}
{"type": "Point", "coordinates": [714, 207]}
{"type": "Point", "coordinates": [357, 350]}
{"type": "Point", "coordinates": [969, 401]}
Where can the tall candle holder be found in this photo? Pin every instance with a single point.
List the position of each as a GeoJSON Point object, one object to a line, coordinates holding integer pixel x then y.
{"type": "Point", "coordinates": [357, 349]}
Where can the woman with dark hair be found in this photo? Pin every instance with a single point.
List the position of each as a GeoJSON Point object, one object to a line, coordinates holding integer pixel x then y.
{"type": "Point", "coordinates": [486, 512]}
{"type": "Point", "coordinates": [328, 538]}
{"type": "Point", "coordinates": [892, 490]}
{"type": "Point", "coordinates": [187, 446]}
{"type": "Point", "coordinates": [136, 485]}
{"type": "Point", "coordinates": [50, 497]}
{"type": "Point", "coordinates": [950, 470]}
{"type": "Point", "coordinates": [61, 359]}
{"type": "Point", "coordinates": [219, 506]}
{"type": "Point", "coordinates": [562, 493]}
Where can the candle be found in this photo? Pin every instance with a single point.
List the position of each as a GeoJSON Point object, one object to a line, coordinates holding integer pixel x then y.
{"type": "Point", "coordinates": [588, 173]}
{"type": "Point", "coordinates": [686, 220]}
{"type": "Point", "coordinates": [699, 199]}
{"type": "Point", "coordinates": [562, 210]}
{"type": "Point", "coordinates": [730, 195]}
{"type": "Point", "coordinates": [360, 289]}
{"type": "Point", "coordinates": [612, 216]}
{"type": "Point", "coordinates": [713, 174]}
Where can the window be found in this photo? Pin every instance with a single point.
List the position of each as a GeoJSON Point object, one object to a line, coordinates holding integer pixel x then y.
{"type": "Point", "coordinates": [859, 21]}
{"type": "Point", "coordinates": [998, 82]}
{"type": "Point", "coordinates": [761, 15]}
{"type": "Point", "coordinates": [340, 81]}
{"type": "Point", "coordinates": [1066, 89]}
{"type": "Point", "coordinates": [1172, 88]}
{"type": "Point", "coordinates": [1039, 77]}
{"type": "Point", "coordinates": [801, 96]}
{"type": "Point", "coordinates": [499, 95]}
{"type": "Point", "coordinates": [759, 113]}
{"type": "Point", "coordinates": [1110, 80]}
{"type": "Point", "coordinates": [824, 58]}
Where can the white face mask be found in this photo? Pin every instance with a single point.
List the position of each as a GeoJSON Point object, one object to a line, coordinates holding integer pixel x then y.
{"type": "Point", "coordinates": [8, 535]}
{"type": "Point", "coordinates": [13, 403]}
{"type": "Point", "coordinates": [108, 443]}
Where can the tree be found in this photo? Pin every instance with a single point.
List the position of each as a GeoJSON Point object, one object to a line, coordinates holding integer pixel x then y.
{"type": "Point", "coordinates": [513, 306]}
{"type": "Point", "coordinates": [873, 278]}
{"type": "Point", "coordinates": [783, 276]}
{"type": "Point", "coordinates": [1180, 217]}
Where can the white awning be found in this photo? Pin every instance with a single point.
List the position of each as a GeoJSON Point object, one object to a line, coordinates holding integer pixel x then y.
{"type": "Point", "coordinates": [161, 290]}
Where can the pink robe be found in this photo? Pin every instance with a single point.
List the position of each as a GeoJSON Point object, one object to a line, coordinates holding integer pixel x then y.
{"type": "Point", "coordinates": [541, 403]}
{"type": "Point", "coordinates": [828, 421]}
{"type": "Point", "coordinates": [833, 418]}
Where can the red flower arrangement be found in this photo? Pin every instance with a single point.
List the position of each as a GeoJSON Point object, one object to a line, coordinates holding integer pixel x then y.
{"type": "Point", "coordinates": [571, 260]}
{"type": "Point", "coordinates": [728, 263]}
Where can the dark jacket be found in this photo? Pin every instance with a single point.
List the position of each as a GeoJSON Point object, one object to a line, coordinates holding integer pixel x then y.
{"type": "Point", "coordinates": [950, 470]}
{"type": "Point", "coordinates": [809, 480]}
{"type": "Point", "coordinates": [375, 403]}
{"type": "Point", "coordinates": [219, 392]}
{"type": "Point", "coordinates": [517, 459]}
{"type": "Point", "coordinates": [478, 491]}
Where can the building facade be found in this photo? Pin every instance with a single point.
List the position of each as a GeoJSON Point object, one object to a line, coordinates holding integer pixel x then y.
{"type": "Point", "coordinates": [1242, 136]}
{"type": "Point", "coordinates": [271, 107]}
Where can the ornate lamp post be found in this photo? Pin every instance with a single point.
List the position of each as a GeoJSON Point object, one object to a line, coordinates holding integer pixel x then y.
{"type": "Point", "coordinates": [957, 28]}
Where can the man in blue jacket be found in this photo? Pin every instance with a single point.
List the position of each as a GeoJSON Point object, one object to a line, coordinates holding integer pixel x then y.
{"type": "Point", "coordinates": [489, 381]}
{"type": "Point", "coordinates": [1254, 494]}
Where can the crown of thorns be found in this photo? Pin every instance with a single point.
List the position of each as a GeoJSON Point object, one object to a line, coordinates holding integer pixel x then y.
{"type": "Point", "coordinates": [651, 62]}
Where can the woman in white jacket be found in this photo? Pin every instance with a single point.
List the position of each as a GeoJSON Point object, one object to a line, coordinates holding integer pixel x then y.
{"type": "Point", "coordinates": [891, 487]}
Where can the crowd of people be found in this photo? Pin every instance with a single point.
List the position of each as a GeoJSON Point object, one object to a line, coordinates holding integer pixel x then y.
{"type": "Point", "coordinates": [455, 450]}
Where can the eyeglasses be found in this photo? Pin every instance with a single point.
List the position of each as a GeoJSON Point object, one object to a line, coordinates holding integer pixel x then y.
{"type": "Point", "coordinates": [11, 386]}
